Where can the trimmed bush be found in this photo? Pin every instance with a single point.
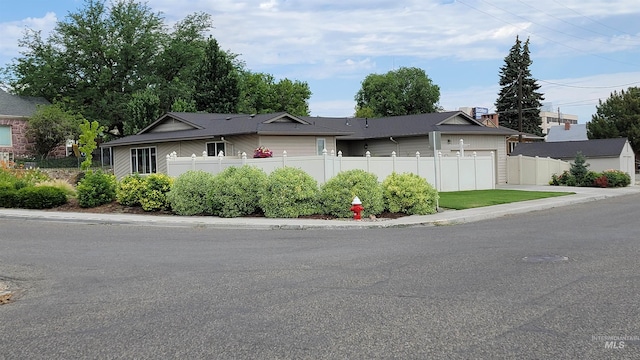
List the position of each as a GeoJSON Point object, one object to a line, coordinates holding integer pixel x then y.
{"type": "Point", "coordinates": [409, 194]}
{"type": "Point", "coordinates": [96, 188]}
{"type": "Point", "coordinates": [337, 194]}
{"type": "Point", "coordinates": [40, 197]}
{"type": "Point", "coordinates": [154, 195]}
{"type": "Point", "coordinates": [129, 190]}
{"type": "Point", "coordinates": [236, 191]}
{"type": "Point", "coordinates": [8, 195]}
{"type": "Point", "coordinates": [289, 193]}
{"type": "Point", "coordinates": [188, 194]}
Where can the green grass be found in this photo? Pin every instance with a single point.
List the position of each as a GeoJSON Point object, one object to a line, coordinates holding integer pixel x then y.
{"type": "Point", "coordinates": [460, 200]}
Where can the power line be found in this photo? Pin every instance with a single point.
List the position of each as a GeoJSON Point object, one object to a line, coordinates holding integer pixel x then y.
{"type": "Point", "coordinates": [540, 36]}
{"type": "Point", "coordinates": [589, 87]}
{"type": "Point", "coordinates": [577, 26]}
{"type": "Point", "coordinates": [594, 20]}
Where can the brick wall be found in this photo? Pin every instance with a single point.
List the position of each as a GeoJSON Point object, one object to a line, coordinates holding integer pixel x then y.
{"type": "Point", "coordinates": [21, 146]}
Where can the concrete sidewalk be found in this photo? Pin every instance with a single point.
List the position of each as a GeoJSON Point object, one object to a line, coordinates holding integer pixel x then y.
{"type": "Point", "coordinates": [442, 218]}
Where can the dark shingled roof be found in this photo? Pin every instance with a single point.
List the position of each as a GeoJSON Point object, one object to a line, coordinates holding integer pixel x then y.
{"type": "Point", "coordinates": [412, 125]}
{"type": "Point", "coordinates": [569, 149]}
{"type": "Point", "coordinates": [14, 105]}
{"type": "Point", "coordinates": [206, 125]}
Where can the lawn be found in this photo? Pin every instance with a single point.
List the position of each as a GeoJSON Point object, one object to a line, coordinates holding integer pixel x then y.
{"type": "Point", "coordinates": [460, 200]}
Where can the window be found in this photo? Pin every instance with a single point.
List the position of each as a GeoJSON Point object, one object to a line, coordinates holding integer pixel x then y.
{"type": "Point", "coordinates": [143, 160]}
{"type": "Point", "coordinates": [5, 135]}
{"type": "Point", "coordinates": [214, 148]}
{"type": "Point", "coordinates": [321, 144]}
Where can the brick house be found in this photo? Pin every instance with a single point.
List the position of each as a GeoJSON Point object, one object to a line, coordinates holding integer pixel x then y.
{"type": "Point", "coordinates": [14, 114]}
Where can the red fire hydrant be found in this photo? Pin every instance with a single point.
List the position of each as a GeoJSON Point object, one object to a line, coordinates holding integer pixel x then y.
{"type": "Point", "coordinates": [356, 207]}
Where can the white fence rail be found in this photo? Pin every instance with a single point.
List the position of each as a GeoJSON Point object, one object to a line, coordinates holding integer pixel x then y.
{"type": "Point", "coordinates": [525, 170]}
{"type": "Point", "coordinates": [444, 173]}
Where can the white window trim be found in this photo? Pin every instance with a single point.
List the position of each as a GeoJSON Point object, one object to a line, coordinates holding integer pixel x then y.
{"type": "Point", "coordinates": [226, 145]}
{"type": "Point", "coordinates": [150, 160]}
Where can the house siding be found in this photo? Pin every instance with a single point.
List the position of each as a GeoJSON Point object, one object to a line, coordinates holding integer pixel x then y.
{"type": "Point", "coordinates": [296, 145]}
{"type": "Point", "coordinates": [235, 144]}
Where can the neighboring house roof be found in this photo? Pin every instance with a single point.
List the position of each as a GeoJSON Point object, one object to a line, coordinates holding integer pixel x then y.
{"type": "Point", "coordinates": [14, 105]}
{"type": "Point", "coordinates": [576, 132]}
{"type": "Point", "coordinates": [569, 149]}
{"type": "Point", "coordinates": [193, 126]}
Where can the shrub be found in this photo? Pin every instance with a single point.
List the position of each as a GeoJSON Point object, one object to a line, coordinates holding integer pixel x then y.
{"type": "Point", "coordinates": [337, 193]}
{"type": "Point", "coordinates": [40, 197]}
{"type": "Point", "coordinates": [129, 190]}
{"type": "Point", "coordinates": [8, 195]}
{"type": "Point", "coordinates": [617, 178]}
{"type": "Point", "coordinates": [154, 194]}
{"type": "Point", "coordinates": [410, 194]}
{"type": "Point", "coordinates": [236, 191]}
{"type": "Point", "coordinates": [289, 193]}
{"type": "Point", "coordinates": [601, 182]}
{"type": "Point", "coordinates": [188, 194]}
{"type": "Point", "coordinates": [63, 185]}
{"type": "Point", "coordinates": [96, 188]}
{"type": "Point", "coordinates": [590, 178]}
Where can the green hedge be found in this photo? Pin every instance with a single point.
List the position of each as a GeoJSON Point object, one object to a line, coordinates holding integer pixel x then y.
{"type": "Point", "coordinates": [189, 192]}
{"type": "Point", "coordinates": [337, 194]}
{"type": "Point", "coordinates": [40, 197]}
{"type": "Point", "coordinates": [236, 191]}
{"type": "Point", "coordinates": [409, 194]}
{"type": "Point", "coordinates": [289, 193]}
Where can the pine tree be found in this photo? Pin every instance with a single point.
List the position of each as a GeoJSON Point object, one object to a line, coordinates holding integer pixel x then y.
{"type": "Point", "coordinates": [516, 70]}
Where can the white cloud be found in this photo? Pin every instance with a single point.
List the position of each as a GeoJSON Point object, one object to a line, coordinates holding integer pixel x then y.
{"type": "Point", "coordinates": [13, 31]}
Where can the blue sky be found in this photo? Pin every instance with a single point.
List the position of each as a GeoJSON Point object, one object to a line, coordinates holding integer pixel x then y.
{"type": "Point", "coordinates": [582, 50]}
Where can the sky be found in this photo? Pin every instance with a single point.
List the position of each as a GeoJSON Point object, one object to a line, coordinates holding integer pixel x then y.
{"type": "Point", "coordinates": [582, 50]}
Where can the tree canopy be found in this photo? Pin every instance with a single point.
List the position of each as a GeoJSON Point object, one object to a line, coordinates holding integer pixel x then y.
{"type": "Point", "coordinates": [618, 116]}
{"type": "Point", "coordinates": [405, 91]}
{"type": "Point", "coordinates": [515, 75]}
{"type": "Point", "coordinates": [50, 126]}
{"type": "Point", "coordinates": [120, 65]}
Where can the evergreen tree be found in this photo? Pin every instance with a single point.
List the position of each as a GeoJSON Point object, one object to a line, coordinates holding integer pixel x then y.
{"type": "Point", "coordinates": [217, 82]}
{"type": "Point", "coordinates": [513, 74]}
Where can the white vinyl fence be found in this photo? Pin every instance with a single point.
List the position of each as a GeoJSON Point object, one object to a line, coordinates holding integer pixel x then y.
{"type": "Point", "coordinates": [526, 170]}
{"type": "Point", "coordinates": [444, 173]}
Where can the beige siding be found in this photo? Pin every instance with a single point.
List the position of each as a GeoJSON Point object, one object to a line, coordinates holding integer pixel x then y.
{"type": "Point", "coordinates": [296, 145]}
{"type": "Point", "coordinates": [242, 143]}
{"type": "Point", "coordinates": [170, 125]}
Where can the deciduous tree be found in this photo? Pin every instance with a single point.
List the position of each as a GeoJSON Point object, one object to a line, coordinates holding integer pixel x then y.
{"type": "Point", "coordinates": [405, 91]}
{"type": "Point", "coordinates": [50, 126]}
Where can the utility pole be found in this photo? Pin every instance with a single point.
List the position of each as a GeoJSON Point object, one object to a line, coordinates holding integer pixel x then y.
{"type": "Point", "coordinates": [520, 106]}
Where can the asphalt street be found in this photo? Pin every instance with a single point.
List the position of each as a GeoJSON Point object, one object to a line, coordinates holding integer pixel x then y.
{"type": "Point", "coordinates": [555, 283]}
